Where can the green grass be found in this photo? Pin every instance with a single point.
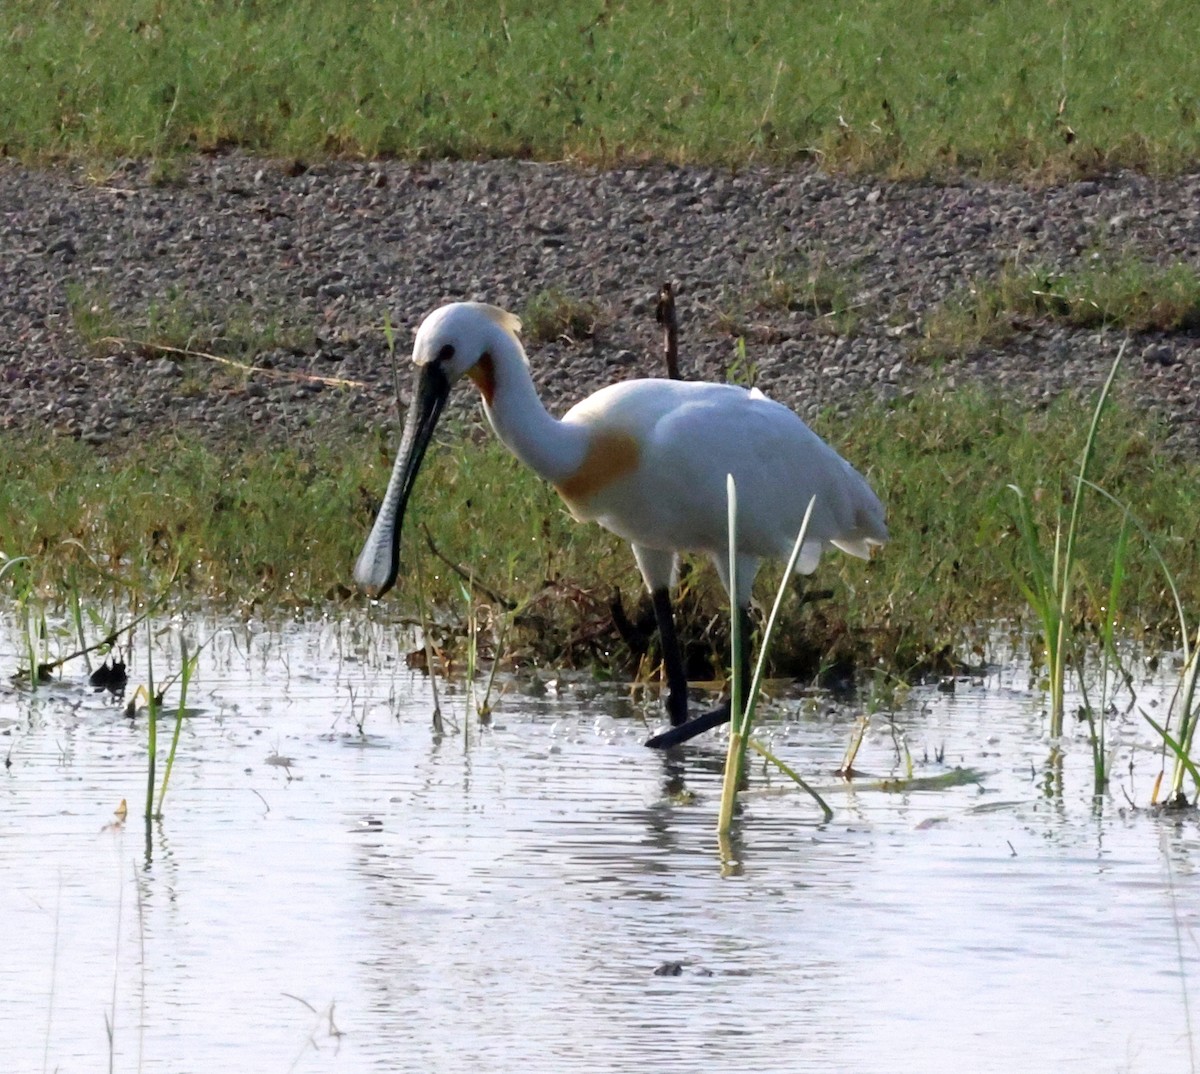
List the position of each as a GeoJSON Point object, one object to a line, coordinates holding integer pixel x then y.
{"type": "Point", "coordinates": [1064, 87]}
{"type": "Point", "coordinates": [1048, 579]}
{"type": "Point", "coordinates": [181, 322]}
{"type": "Point", "coordinates": [1121, 291]}
{"type": "Point", "coordinates": [798, 283]}
{"type": "Point", "coordinates": [554, 315]}
{"type": "Point", "coordinates": [1128, 293]}
{"type": "Point", "coordinates": [810, 286]}
{"type": "Point", "coordinates": [262, 526]}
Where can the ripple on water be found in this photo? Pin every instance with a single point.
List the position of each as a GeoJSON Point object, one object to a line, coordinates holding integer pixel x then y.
{"type": "Point", "coordinates": [549, 892]}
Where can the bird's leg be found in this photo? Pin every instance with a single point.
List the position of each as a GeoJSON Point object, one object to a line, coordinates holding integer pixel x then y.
{"type": "Point", "coordinates": [695, 726]}
{"type": "Point", "coordinates": [677, 687]}
{"type": "Point", "coordinates": [681, 731]}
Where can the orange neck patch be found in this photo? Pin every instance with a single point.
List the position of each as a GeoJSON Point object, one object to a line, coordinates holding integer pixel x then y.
{"type": "Point", "coordinates": [610, 457]}
{"type": "Point", "coordinates": [483, 373]}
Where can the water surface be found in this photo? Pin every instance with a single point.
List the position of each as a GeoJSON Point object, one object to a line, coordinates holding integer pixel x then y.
{"type": "Point", "coordinates": [548, 892]}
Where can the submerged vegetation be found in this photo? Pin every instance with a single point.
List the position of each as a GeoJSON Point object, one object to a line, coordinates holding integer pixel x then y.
{"type": "Point", "coordinates": [1062, 88]}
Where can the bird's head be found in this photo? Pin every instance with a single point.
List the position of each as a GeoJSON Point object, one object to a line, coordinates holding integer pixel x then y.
{"type": "Point", "coordinates": [460, 339]}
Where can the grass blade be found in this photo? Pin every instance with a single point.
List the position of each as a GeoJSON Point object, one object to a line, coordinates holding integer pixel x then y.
{"type": "Point", "coordinates": [1051, 584]}
{"type": "Point", "coordinates": [151, 727]}
{"type": "Point", "coordinates": [185, 677]}
{"type": "Point", "coordinates": [1176, 748]}
{"type": "Point", "coordinates": [741, 723]}
{"type": "Point", "coordinates": [793, 775]}
{"type": "Point", "coordinates": [736, 755]}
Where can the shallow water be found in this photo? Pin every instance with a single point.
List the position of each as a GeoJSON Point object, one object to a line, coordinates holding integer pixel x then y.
{"type": "Point", "coordinates": [316, 898]}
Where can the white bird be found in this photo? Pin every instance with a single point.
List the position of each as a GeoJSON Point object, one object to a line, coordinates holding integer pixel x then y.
{"type": "Point", "coordinates": [646, 459]}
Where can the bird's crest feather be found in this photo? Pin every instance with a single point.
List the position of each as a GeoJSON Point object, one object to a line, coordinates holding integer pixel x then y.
{"type": "Point", "coordinates": [510, 322]}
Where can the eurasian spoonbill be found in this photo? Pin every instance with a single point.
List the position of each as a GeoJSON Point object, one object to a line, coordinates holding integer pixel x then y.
{"type": "Point", "coordinates": [646, 459]}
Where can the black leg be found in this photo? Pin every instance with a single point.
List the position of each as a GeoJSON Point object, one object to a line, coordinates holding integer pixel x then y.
{"type": "Point", "coordinates": [682, 730]}
{"type": "Point", "coordinates": [677, 700]}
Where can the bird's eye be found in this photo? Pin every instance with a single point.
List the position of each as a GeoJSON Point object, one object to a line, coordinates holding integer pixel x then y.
{"type": "Point", "coordinates": [446, 353]}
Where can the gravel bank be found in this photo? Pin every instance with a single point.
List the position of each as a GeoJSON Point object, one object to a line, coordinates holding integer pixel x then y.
{"type": "Point", "coordinates": [320, 255]}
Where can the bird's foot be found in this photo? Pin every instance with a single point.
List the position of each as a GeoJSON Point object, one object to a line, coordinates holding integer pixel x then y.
{"type": "Point", "coordinates": [680, 733]}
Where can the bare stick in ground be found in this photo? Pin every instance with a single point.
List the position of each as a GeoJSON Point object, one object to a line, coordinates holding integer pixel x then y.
{"type": "Point", "coordinates": [664, 313]}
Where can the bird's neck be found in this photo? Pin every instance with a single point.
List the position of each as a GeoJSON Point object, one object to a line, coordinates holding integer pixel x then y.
{"type": "Point", "coordinates": [549, 447]}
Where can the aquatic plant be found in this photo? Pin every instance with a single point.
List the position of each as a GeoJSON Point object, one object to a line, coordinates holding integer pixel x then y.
{"type": "Point", "coordinates": [484, 706]}
{"type": "Point", "coordinates": [1184, 704]}
{"type": "Point", "coordinates": [152, 705]}
{"type": "Point", "coordinates": [436, 719]}
{"type": "Point", "coordinates": [744, 697]}
{"type": "Point", "coordinates": [111, 676]}
{"type": "Point", "coordinates": [1050, 571]}
{"type": "Point", "coordinates": [187, 669]}
{"type": "Point", "coordinates": [1111, 672]}
{"type": "Point", "coordinates": [153, 698]}
{"type": "Point", "coordinates": [9, 564]}
{"type": "Point", "coordinates": [24, 594]}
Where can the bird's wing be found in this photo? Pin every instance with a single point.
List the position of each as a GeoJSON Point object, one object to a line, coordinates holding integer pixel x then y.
{"type": "Point", "coordinates": [778, 464]}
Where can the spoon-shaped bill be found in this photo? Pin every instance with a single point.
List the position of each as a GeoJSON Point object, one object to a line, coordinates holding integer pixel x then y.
{"type": "Point", "coordinates": [379, 561]}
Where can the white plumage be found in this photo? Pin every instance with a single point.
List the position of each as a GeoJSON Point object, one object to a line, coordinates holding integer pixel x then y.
{"type": "Point", "coordinates": [646, 459]}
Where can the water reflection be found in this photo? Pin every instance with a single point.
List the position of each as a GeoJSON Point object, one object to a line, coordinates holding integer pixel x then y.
{"type": "Point", "coordinates": [548, 892]}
